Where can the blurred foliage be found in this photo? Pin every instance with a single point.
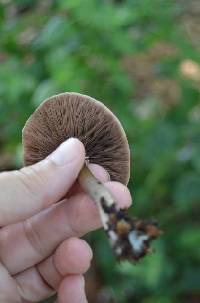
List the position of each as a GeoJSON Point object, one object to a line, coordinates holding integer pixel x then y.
{"type": "Point", "coordinates": [142, 59]}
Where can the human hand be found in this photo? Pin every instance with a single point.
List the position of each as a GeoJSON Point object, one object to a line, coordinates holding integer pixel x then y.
{"type": "Point", "coordinates": [43, 212]}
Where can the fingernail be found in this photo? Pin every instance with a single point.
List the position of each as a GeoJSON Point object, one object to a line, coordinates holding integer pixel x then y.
{"type": "Point", "coordinates": [99, 172]}
{"type": "Point", "coordinates": [67, 152]}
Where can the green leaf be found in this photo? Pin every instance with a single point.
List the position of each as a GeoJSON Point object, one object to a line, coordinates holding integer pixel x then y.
{"type": "Point", "coordinates": [187, 191]}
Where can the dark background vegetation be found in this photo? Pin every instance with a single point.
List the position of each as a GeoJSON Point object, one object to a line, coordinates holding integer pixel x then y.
{"type": "Point", "coordinates": [142, 59]}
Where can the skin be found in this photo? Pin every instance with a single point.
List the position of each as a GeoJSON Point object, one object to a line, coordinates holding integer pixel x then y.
{"type": "Point", "coordinates": [43, 214]}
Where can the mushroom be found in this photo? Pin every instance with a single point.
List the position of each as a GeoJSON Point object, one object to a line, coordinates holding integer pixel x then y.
{"type": "Point", "coordinates": [74, 115]}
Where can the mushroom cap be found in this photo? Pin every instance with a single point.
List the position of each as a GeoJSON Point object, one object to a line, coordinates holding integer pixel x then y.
{"type": "Point", "coordinates": [74, 115]}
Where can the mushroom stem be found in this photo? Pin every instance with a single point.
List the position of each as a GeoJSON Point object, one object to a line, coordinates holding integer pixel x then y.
{"type": "Point", "coordinates": [98, 192]}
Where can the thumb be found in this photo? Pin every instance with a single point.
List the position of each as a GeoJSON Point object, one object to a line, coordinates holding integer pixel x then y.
{"type": "Point", "coordinates": [29, 190]}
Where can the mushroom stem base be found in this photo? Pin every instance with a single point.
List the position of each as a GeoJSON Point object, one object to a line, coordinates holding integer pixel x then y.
{"type": "Point", "coordinates": [129, 237]}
